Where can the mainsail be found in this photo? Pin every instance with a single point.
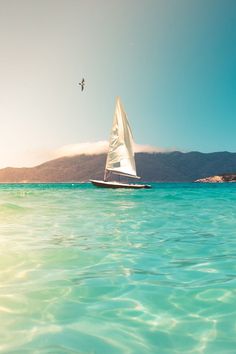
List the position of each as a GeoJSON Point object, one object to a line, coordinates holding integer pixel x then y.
{"type": "Point", "coordinates": [120, 158]}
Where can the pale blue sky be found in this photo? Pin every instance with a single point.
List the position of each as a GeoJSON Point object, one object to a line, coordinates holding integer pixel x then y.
{"type": "Point", "coordinates": [172, 62]}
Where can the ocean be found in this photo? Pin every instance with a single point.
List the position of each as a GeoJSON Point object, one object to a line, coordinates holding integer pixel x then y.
{"type": "Point", "coordinates": [88, 270]}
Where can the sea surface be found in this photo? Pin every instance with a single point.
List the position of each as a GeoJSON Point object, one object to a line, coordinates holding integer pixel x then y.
{"type": "Point", "coordinates": [88, 270]}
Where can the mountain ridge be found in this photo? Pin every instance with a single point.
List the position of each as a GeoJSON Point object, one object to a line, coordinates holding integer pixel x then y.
{"type": "Point", "coordinates": [172, 166]}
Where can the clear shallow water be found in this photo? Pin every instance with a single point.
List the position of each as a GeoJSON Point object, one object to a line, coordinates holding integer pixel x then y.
{"type": "Point", "coordinates": [88, 270]}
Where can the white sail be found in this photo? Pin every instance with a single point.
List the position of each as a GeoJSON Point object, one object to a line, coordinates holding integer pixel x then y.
{"type": "Point", "coordinates": [120, 158]}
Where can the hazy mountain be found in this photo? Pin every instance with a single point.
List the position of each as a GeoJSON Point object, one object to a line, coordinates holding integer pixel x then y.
{"type": "Point", "coordinates": [165, 167]}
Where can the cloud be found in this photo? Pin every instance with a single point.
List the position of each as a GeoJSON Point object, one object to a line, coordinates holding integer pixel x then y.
{"type": "Point", "coordinates": [99, 147]}
{"type": "Point", "coordinates": [87, 148]}
{"type": "Point", "coordinates": [149, 148]}
{"type": "Point", "coordinates": [35, 156]}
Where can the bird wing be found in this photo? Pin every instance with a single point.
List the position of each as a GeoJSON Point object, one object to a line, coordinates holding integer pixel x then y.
{"type": "Point", "coordinates": [82, 83]}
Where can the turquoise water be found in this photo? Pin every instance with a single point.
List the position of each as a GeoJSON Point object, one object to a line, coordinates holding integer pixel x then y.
{"type": "Point", "coordinates": [88, 270]}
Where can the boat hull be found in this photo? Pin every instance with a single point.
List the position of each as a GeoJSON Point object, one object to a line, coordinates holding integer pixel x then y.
{"type": "Point", "coordinates": [104, 184]}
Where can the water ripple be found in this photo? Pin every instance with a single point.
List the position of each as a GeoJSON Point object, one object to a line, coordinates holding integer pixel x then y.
{"type": "Point", "coordinates": [85, 270]}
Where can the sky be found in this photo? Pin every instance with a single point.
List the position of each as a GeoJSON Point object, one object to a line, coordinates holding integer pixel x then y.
{"type": "Point", "coordinates": [172, 62]}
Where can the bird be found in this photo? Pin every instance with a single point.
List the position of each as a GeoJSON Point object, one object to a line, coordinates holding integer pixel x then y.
{"type": "Point", "coordinates": [82, 84]}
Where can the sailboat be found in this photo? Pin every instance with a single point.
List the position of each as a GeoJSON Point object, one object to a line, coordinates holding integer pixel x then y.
{"type": "Point", "coordinates": [120, 157]}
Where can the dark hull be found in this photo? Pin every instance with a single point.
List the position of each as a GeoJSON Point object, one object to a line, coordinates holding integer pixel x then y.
{"type": "Point", "coordinates": [113, 185]}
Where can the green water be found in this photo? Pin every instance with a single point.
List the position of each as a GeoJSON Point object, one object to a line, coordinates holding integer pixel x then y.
{"type": "Point", "coordinates": [89, 270]}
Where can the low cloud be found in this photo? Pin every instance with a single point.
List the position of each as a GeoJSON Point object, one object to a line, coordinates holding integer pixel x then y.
{"type": "Point", "coordinates": [149, 148]}
{"type": "Point", "coordinates": [35, 156]}
{"type": "Point", "coordinates": [97, 148]}
{"type": "Point", "coordinates": [88, 148]}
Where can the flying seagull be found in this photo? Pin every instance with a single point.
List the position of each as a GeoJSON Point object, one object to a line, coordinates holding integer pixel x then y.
{"type": "Point", "coordinates": [82, 83]}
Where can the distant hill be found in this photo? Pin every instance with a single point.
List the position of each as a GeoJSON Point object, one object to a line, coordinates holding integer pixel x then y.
{"type": "Point", "coordinates": [164, 167]}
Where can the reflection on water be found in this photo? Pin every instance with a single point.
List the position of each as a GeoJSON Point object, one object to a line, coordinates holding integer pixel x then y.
{"type": "Point", "coordinates": [86, 270]}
